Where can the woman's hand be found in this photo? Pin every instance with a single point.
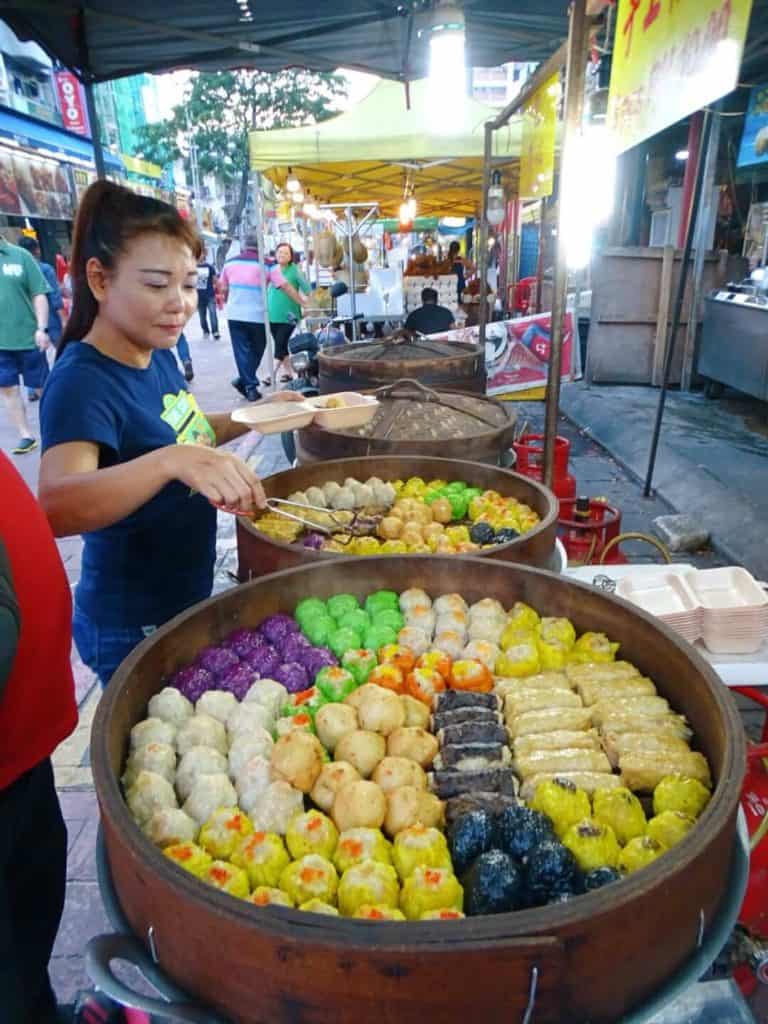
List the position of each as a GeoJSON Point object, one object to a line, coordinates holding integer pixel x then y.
{"type": "Point", "coordinates": [219, 476]}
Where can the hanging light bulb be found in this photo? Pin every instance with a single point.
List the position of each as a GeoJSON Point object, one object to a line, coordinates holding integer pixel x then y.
{"type": "Point", "coordinates": [297, 197]}
{"type": "Point", "coordinates": [310, 208]}
{"type": "Point", "coordinates": [406, 217]}
{"type": "Point", "coordinates": [447, 70]}
{"type": "Point", "coordinates": [411, 204]}
{"type": "Point", "coordinates": [292, 183]}
{"type": "Point", "coordinates": [494, 204]}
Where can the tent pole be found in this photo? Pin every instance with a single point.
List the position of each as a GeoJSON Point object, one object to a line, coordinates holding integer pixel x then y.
{"type": "Point", "coordinates": [259, 207]}
{"type": "Point", "coordinates": [482, 256]}
{"type": "Point", "coordinates": [351, 262]}
{"type": "Point", "coordinates": [93, 119]}
{"type": "Point", "coordinates": [578, 40]}
{"type": "Point", "coordinates": [679, 295]}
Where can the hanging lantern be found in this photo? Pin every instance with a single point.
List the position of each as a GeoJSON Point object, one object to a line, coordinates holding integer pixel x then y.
{"type": "Point", "coordinates": [495, 206]}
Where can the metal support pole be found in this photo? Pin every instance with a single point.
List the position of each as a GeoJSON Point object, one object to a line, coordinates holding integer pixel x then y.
{"type": "Point", "coordinates": [351, 262]}
{"type": "Point", "coordinates": [482, 256]}
{"type": "Point", "coordinates": [259, 209]}
{"type": "Point", "coordinates": [93, 119]}
{"type": "Point", "coordinates": [679, 296]}
{"type": "Point", "coordinates": [578, 41]}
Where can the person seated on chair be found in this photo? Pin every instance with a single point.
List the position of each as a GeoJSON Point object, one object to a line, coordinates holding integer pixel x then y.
{"type": "Point", "coordinates": [430, 318]}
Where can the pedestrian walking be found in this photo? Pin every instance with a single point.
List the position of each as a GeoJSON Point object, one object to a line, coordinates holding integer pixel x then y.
{"type": "Point", "coordinates": [130, 460]}
{"type": "Point", "coordinates": [23, 335]}
{"type": "Point", "coordinates": [206, 297]}
{"type": "Point", "coordinates": [283, 311]}
{"type": "Point", "coordinates": [182, 351]}
{"type": "Point", "coordinates": [242, 284]}
{"type": "Point", "coordinates": [55, 303]}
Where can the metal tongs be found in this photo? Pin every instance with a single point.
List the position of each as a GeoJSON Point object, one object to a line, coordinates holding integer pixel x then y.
{"type": "Point", "coordinates": [354, 528]}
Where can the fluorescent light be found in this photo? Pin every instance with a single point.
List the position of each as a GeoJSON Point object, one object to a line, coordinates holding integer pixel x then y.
{"type": "Point", "coordinates": [681, 154]}
{"type": "Point", "coordinates": [446, 87]}
{"type": "Point", "coordinates": [454, 222]}
{"type": "Point", "coordinates": [292, 183]}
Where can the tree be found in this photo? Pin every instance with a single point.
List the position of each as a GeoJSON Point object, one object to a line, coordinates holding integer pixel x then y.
{"type": "Point", "coordinates": [221, 108]}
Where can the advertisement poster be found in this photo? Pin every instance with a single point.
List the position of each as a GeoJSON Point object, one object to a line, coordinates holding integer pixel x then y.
{"type": "Point", "coordinates": [672, 57]}
{"type": "Point", "coordinates": [537, 152]}
{"type": "Point", "coordinates": [754, 141]}
{"type": "Point", "coordinates": [72, 103]}
{"type": "Point", "coordinates": [34, 188]}
{"type": "Point", "coordinates": [517, 351]}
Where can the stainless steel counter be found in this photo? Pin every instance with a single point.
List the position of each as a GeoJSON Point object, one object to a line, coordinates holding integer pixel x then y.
{"type": "Point", "coordinates": [734, 344]}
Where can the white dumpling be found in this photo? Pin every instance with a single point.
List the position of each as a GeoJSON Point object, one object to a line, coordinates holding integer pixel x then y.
{"type": "Point", "coordinates": [169, 826]}
{"type": "Point", "coordinates": [299, 498]}
{"type": "Point", "coordinates": [449, 603]}
{"type": "Point", "coordinates": [198, 761]}
{"type": "Point", "coordinates": [245, 747]}
{"type": "Point", "coordinates": [315, 496]}
{"type": "Point", "coordinates": [149, 793]}
{"type": "Point", "coordinates": [384, 495]}
{"type": "Point", "coordinates": [252, 782]}
{"type": "Point", "coordinates": [344, 500]}
{"type": "Point", "coordinates": [480, 650]}
{"type": "Point", "coordinates": [329, 489]}
{"type": "Point", "coordinates": [248, 717]}
{"type": "Point", "coordinates": [488, 605]}
{"type": "Point", "coordinates": [201, 731]}
{"type": "Point", "coordinates": [374, 481]}
{"type": "Point", "coordinates": [278, 804]}
{"type": "Point", "coordinates": [363, 496]}
{"type": "Point", "coordinates": [414, 638]}
{"type": "Point", "coordinates": [422, 617]}
{"type": "Point", "coordinates": [171, 706]}
{"type": "Point", "coordinates": [449, 642]}
{"type": "Point", "coordinates": [455, 619]}
{"type": "Point", "coordinates": [269, 694]}
{"type": "Point", "coordinates": [218, 704]}
{"type": "Point", "coordinates": [486, 630]}
{"type": "Point", "coordinates": [414, 598]}
{"type": "Point", "coordinates": [159, 758]}
{"type": "Point", "coordinates": [152, 730]}
{"type": "Point", "coordinates": [208, 793]}
{"type": "Point", "coordinates": [351, 482]}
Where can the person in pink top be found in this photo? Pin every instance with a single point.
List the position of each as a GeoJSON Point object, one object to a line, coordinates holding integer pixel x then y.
{"type": "Point", "coordinates": [243, 286]}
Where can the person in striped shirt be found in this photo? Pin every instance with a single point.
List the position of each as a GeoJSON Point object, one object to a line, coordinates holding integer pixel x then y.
{"type": "Point", "coordinates": [243, 283]}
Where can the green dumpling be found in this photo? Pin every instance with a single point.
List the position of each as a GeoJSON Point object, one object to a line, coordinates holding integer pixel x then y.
{"type": "Point", "coordinates": [378, 637]}
{"type": "Point", "coordinates": [318, 629]}
{"type": "Point", "coordinates": [343, 640]}
{"type": "Point", "coordinates": [357, 619]}
{"type": "Point", "coordinates": [335, 683]}
{"type": "Point", "coordinates": [380, 601]}
{"type": "Point", "coordinates": [341, 604]}
{"type": "Point", "coordinates": [360, 663]}
{"type": "Point", "coordinates": [390, 619]}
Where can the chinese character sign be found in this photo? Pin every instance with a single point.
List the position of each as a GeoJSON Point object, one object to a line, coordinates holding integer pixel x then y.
{"type": "Point", "coordinates": [672, 57]}
{"type": "Point", "coordinates": [537, 153]}
{"type": "Point", "coordinates": [754, 140]}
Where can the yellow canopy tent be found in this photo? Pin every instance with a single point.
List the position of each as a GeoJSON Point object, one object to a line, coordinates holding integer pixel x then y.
{"type": "Point", "coordinates": [365, 153]}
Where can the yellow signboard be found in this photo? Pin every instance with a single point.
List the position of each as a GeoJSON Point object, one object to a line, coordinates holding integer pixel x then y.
{"type": "Point", "coordinates": [537, 152]}
{"type": "Point", "coordinates": [672, 57]}
{"type": "Point", "coordinates": [149, 170]}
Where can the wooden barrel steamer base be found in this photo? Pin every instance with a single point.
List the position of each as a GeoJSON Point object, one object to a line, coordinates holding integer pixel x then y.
{"type": "Point", "coordinates": [445, 365]}
{"type": "Point", "coordinates": [596, 957]}
{"type": "Point", "coordinates": [259, 554]}
{"type": "Point", "coordinates": [414, 420]}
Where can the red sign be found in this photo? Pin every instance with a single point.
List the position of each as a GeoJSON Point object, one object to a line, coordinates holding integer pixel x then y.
{"type": "Point", "coordinates": [72, 103]}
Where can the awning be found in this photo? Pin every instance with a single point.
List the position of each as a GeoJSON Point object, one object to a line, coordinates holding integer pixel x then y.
{"type": "Point", "coordinates": [53, 141]}
{"type": "Point", "coordinates": [366, 153]}
{"type": "Point", "coordinates": [113, 38]}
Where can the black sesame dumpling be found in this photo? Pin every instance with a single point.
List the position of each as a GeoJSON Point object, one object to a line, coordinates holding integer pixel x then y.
{"type": "Point", "coordinates": [518, 830]}
{"type": "Point", "coordinates": [550, 870]}
{"type": "Point", "coordinates": [493, 885]}
{"type": "Point", "coordinates": [468, 837]}
{"type": "Point", "coordinates": [598, 877]}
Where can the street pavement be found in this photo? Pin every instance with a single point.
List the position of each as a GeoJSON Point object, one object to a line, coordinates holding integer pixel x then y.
{"type": "Point", "coordinates": [597, 474]}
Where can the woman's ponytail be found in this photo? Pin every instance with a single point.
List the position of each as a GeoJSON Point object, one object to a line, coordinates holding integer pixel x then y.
{"type": "Point", "coordinates": [108, 218]}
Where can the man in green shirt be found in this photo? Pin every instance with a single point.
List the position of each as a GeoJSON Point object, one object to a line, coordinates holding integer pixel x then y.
{"type": "Point", "coordinates": [23, 334]}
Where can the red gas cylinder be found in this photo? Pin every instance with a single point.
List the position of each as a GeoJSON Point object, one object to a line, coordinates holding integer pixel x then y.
{"type": "Point", "coordinates": [594, 525]}
{"type": "Point", "coordinates": [530, 462]}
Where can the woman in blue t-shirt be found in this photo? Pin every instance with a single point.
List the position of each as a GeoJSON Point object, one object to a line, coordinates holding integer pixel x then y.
{"type": "Point", "coordinates": [129, 459]}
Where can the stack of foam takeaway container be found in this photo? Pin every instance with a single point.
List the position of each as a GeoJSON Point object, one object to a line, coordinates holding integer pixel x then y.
{"type": "Point", "coordinates": [726, 608]}
{"type": "Point", "coordinates": [445, 285]}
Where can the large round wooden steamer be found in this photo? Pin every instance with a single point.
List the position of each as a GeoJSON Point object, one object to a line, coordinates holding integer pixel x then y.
{"type": "Point", "coordinates": [452, 365]}
{"type": "Point", "coordinates": [414, 420]}
{"type": "Point", "coordinates": [596, 957]}
{"type": "Point", "coordinates": [259, 554]}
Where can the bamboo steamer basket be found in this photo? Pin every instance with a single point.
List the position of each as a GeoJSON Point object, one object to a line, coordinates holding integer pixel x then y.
{"type": "Point", "coordinates": [595, 957]}
{"type": "Point", "coordinates": [259, 554]}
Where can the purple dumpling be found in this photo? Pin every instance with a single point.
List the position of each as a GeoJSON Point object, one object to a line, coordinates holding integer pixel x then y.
{"type": "Point", "coordinates": [316, 658]}
{"type": "Point", "coordinates": [277, 627]}
{"type": "Point", "coordinates": [237, 680]}
{"type": "Point", "coordinates": [314, 541]}
{"type": "Point", "coordinates": [293, 647]}
{"type": "Point", "coordinates": [192, 681]}
{"type": "Point", "coordinates": [217, 660]}
{"type": "Point", "coordinates": [263, 660]}
{"type": "Point", "coordinates": [293, 676]}
{"type": "Point", "coordinates": [243, 641]}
